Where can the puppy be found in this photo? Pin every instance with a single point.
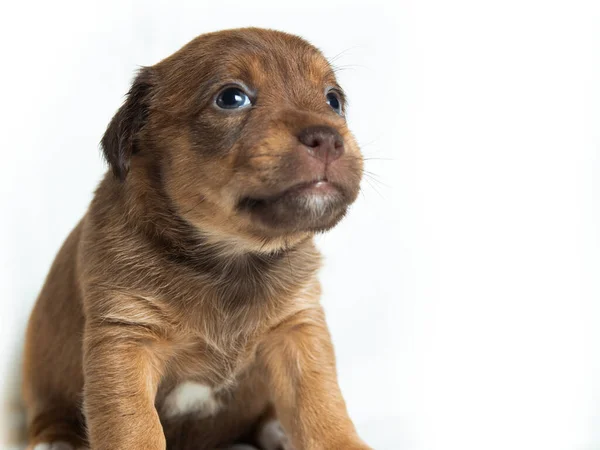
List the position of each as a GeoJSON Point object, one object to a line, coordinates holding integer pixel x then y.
{"type": "Point", "coordinates": [183, 311]}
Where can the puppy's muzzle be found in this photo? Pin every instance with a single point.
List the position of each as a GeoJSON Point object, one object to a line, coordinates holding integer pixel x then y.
{"type": "Point", "coordinates": [322, 142]}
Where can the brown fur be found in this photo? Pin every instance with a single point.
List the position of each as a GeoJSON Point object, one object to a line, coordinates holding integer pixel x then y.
{"type": "Point", "coordinates": [195, 261]}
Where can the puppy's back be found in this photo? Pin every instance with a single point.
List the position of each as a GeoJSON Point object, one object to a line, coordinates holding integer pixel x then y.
{"type": "Point", "coordinates": [52, 372]}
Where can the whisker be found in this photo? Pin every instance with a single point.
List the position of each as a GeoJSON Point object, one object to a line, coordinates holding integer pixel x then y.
{"type": "Point", "coordinates": [373, 187]}
{"type": "Point", "coordinates": [337, 69]}
{"type": "Point", "coordinates": [362, 192]}
{"type": "Point", "coordinates": [371, 174]}
{"type": "Point", "coordinates": [342, 53]}
{"type": "Point", "coordinates": [375, 180]}
{"type": "Point", "coordinates": [194, 206]}
{"type": "Point", "coordinates": [378, 159]}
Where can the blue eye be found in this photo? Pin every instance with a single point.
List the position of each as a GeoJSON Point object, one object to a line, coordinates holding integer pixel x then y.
{"type": "Point", "coordinates": [233, 98]}
{"type": "Point", "coordinates": [333, 100]}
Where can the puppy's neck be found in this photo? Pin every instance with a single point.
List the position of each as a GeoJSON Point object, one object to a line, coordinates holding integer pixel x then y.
{"type": "Point", "coordinates": [151, 214]}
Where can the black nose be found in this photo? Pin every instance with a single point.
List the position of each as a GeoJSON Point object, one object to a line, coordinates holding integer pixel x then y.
{"type": "Point", "coordinates": [322, 142]}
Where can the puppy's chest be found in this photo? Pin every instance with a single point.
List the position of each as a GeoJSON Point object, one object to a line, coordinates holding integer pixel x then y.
{"type": "Point", "coordinates": [190, 397]}
{"type": "Point", "coordinates": [202, 377]}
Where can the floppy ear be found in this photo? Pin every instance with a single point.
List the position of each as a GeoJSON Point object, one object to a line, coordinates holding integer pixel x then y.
{"type": "Point", "coordinates": [120, 139]}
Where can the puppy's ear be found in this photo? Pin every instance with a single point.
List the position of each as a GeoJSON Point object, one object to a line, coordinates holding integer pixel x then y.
{"type": "Point", "coordinates": [120, 139]}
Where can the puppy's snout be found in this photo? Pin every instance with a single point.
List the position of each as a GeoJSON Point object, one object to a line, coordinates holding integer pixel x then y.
{"type": "Point", "coordinates": [322, 142]}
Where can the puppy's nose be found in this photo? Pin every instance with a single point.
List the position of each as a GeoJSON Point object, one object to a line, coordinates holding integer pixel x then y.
{"type": "Point", "coordinates": [322, 142]}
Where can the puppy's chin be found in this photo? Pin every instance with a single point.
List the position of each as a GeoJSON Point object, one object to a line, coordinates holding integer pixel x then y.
{"type": "Point", "coordinates": [310, 207]}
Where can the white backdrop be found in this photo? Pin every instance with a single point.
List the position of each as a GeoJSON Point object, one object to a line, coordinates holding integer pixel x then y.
{"type": "Point", "coordinates": [463, 289]}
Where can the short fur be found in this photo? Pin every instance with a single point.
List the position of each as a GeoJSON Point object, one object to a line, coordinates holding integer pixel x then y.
{"type": "Point", "coordinates": [195, 260]}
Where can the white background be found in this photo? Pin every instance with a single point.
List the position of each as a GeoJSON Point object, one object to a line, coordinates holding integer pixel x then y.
{"type": "Point", "coordinates": [463, 289]}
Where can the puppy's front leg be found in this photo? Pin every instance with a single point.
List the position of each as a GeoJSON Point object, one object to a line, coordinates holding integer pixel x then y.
{"type": "Point", "coordinates": [300, 363]}
{"type": "Point", "coordinates": [121, 378]}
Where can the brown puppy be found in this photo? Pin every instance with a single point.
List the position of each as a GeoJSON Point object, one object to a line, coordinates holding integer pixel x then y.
{"type": "Point", "coordinates": [183, 310]}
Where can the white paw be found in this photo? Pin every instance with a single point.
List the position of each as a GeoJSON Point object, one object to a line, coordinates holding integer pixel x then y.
{"type": "Point", "coordinates": [272, 437]}
{"type": "Point", "coordinates": [59, 445]}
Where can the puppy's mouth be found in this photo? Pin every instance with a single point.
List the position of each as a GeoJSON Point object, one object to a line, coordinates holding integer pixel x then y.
{"type": "Point", "coordinates": [314, 206]}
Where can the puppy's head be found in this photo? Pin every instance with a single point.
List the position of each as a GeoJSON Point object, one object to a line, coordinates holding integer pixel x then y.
{"type": "Point", "coordinates": [244, 133]}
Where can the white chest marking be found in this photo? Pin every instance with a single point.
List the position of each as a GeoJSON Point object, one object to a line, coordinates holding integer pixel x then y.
{"type": "Point", "coordinates": [189, 397]}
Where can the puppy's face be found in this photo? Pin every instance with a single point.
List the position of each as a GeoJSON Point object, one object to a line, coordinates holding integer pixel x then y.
{"type": "Point", "coordinates": [247, 131]}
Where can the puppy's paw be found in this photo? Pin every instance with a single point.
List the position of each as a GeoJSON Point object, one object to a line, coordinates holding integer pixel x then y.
{"type": "Point", "coordinates": [58, 445]}
{"type": "Point", "coordinates": [273, 437]}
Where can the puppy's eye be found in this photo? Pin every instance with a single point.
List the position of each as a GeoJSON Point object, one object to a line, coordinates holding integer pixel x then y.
{"type": "Point", "coordinates": [333, 100]}
{"type": "Point", "coordinates": [233, 98]}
